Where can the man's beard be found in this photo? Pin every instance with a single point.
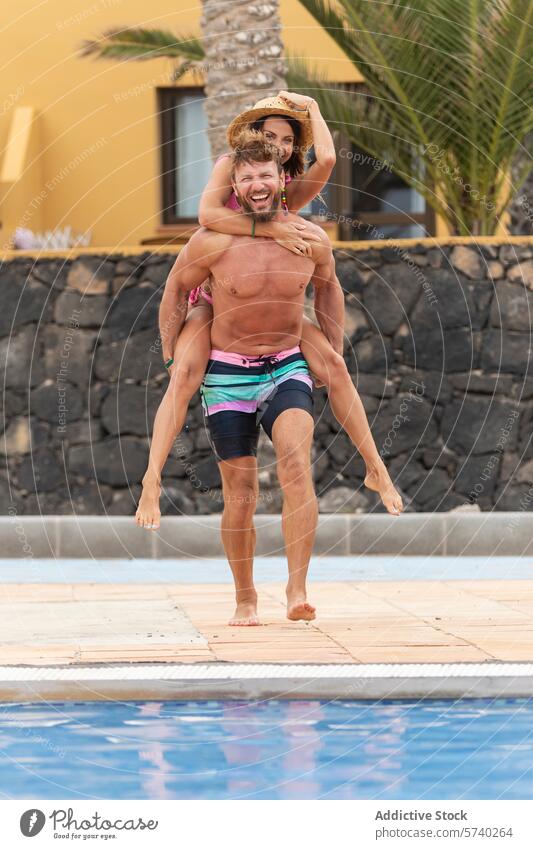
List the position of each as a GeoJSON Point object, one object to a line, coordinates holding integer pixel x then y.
{"type": "Point", "coordinates": [266, 215]}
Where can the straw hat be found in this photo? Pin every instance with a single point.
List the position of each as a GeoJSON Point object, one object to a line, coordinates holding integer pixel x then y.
{"type": "Point", "coordinates": [271, 106]}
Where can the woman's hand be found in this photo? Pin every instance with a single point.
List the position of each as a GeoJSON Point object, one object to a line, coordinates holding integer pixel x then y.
{"type": "Point", "coordinates": [298, 101]}
{"type": "Point", "coordinates": [294, 236]}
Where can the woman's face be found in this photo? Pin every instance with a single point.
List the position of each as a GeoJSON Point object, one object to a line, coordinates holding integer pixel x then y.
{"type": "Point", "coordinates": [280, 133]}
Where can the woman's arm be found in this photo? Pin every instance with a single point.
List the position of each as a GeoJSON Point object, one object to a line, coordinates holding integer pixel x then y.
{"type": "Point", "coordinates": [307, 186]}
{"type": "Point", "coordinates": [214, 215]}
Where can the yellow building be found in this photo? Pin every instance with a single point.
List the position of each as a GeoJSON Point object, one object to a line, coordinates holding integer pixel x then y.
{"type": "Point", "coordinates": [81, 139]}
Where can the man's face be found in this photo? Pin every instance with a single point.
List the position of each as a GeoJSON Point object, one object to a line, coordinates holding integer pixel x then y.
{"type": "Point", "coordinates": [258, 188]}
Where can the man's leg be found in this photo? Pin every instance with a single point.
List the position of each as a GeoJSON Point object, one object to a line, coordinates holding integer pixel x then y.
{"type": "Point", "coordinates": [292, 435]}
{"type": "Point", "coordinates": [240, 490]}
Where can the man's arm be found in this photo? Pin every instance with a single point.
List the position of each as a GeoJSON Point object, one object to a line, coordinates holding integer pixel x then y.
{"type": "Point", "coordinates": [329, 297]}
{"type": "Point", "coordinates": [191, 268]}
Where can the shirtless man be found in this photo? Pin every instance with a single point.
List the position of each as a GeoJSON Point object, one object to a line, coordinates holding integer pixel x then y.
{"type": "Point", "coordinates": [256, 376]}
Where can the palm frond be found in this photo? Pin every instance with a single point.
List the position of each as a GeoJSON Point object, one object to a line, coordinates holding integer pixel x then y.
{"type": "Point", "coordinates": [138, 44]}
{"type": "Point", "coordinates": [451, 79]}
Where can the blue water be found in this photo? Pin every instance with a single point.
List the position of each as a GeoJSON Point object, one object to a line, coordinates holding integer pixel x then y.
{"type": "Point", "coordinates": [469, 749]}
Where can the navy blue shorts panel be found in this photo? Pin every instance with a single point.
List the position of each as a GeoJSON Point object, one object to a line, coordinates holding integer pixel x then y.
{"type": "Point", "coordinates": [236, 434]}
{"type": "Point", "coordinates": [233, 434]}
{"type": "Point", "coordinates": [291, 395]}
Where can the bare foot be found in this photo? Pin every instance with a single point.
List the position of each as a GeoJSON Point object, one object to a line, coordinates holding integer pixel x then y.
{"type": "Point", "coordinates": [148, 513]}
{"type": "Point", "coordinates": [378, 479]}
{"type": "Point", "coordinates": [245, 614]}
{"type": "Point", "coordinates": [299, 608]}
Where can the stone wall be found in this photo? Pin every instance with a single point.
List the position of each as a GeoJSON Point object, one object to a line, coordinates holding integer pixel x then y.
{"type": "Point", "coordinates": [438, 342]}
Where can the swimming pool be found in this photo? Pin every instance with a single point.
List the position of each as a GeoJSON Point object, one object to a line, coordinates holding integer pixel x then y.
{"type": "Point", "coordinates": [468, 749]}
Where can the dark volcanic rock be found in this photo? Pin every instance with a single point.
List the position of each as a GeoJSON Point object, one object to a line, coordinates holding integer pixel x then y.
{"type": "Point", "coordinates": [90, 275]}
{"type": "Point", "coordinates": [479, 426]}
{"type": "Point", "coordinates": [460, 303]}
{"type": "Point", "coordinates": [478, 475]}
{"type": "Point", "coordinates": [139, 358]}
{"type": "Point", "coordinates": [507, 351]}
{"type": "Point", "coordinates": [48, 404]}
{"type": "Point", "coordinates": [404, 424]}
{"type": "Point", "coordinates": [158, 271]}
{"type": "Point", "coordinates": [373, 355]}
{"type": "Point", "coordinates": [133, 310]}
{"type": "Point", "coordinates": [75, 309]}
{"type": "Point", "coordinates": [389, 296]}
{"type": "Point", "coordinates": [433, 486]}
{"type": "Point", "coordinates": [21, 363]}
{"type": "Point", "coordinates": [512, 307]}
{"type": "Point", "coordinates": [22, 302]}
{"type": "Point", "coordinates": [69, 353]}
{"type": "Point", "coordinates": [41, 471]}
{"type": "Point", "coordinates": [116, 461]}
{"type": "Point", "coordinates": [488, 384]}
{"type": "Point", "coordinates": [447, 350]}
{"type": "Point", "coordinates": [53, 273]}
{"type": "Point", "coordinates": [174, 501]}
{"type": "Point", "coordinates": [130, 409]}
{"type": "Point", "coordinates": [440, 349]}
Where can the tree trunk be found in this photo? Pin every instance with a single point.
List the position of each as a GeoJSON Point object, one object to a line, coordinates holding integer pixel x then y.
{"type": "Point", "coordinates": [244, 60]}
{"type": "Point", "coordinates": [521, 208]}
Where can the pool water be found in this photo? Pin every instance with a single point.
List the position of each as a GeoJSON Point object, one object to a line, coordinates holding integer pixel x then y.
{"type": "Point", "coordinates": [468, 749]}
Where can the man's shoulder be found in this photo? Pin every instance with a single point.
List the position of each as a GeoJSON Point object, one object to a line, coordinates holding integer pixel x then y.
{"type": "Point", "coordinates": [208, 241]}
{"type": "Point", "coordinates": [322, 250]}
{"type": "Point", "coordinates": [314, 228]}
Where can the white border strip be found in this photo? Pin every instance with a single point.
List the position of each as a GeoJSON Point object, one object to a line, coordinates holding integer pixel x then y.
{"type": "Point", "coordinates": [255, 672]}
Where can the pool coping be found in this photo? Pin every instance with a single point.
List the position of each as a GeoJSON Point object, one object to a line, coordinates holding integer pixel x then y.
{"type": "Point", "coordinates": [451, 533]}
{"type": "Point", "coordinates": [240, 681]}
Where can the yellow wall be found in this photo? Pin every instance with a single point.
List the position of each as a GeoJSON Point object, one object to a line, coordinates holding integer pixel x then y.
{"type": "Point", "coordinates": [95, 140]}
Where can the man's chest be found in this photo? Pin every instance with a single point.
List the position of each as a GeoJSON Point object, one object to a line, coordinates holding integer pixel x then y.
{"type": "Point", "coordinates": [261, 273]}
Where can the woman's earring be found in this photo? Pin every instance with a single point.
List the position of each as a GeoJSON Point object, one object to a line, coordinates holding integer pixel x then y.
{"type": "Point", "coordinates": [284, 201]}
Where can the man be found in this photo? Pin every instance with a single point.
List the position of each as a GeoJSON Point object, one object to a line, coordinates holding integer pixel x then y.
{"type": "Point", "coordinates": [256, 376]}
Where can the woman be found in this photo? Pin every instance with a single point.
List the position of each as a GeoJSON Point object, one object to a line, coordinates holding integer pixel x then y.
{"type": "Point", "coordinates": [292, 122]}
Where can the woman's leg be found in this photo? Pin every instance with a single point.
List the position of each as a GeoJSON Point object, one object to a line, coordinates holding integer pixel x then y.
{"type": "Point", "coordinates": [349, 411]}
{"type": "Point", "coordinates": [190, 362]}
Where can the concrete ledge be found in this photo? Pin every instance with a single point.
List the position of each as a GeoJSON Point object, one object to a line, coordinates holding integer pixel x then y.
{"type": "Point", "coordinates": [358, 245]}
{"type": "Point", "coordinates": [441, 534]}
{"type": "Point", "coordinates": [267, 681]}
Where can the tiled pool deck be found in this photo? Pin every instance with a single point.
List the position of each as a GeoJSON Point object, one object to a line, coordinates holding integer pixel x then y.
{"type": "Point", "coordinates": [395, 614]}
{"type": "Point", "coordinates": [362, 621]}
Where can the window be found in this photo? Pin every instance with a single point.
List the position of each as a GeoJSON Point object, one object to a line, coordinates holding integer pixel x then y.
{"type": "Point", "coordinates": [371, 202]}
{"type": "Point", "coordinates": [186, 155]}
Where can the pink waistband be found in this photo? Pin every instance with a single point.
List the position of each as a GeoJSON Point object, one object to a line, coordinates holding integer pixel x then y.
{"type": "Point", "coordinates": [245, 360]}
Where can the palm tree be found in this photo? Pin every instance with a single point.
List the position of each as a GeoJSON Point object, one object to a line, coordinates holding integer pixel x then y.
{"type": "Point", "coordinates": [448, 100]}
{"type": "Point", "coordinates": [448, 96]}
{"type": "Point", "coordinates": [240, 55]}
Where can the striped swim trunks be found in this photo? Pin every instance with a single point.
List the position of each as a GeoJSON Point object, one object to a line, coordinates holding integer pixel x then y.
{"type": "Point", "coordinates": [240, 394]}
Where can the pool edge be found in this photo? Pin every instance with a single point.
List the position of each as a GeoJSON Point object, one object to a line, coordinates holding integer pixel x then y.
{"type": "Point", "coordinates": [246, 682]}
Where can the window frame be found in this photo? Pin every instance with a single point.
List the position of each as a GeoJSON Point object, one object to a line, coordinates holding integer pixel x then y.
{"type": "Point", "coordinates": [166, 103]}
